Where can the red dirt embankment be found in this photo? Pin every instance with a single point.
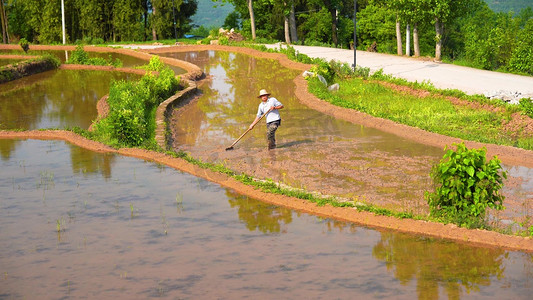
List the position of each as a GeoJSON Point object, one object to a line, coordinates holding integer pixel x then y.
{"type": "Point", "coordinates": [451, 232]}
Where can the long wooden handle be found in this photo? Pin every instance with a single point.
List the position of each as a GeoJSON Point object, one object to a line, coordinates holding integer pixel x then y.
{"type": "Point", "coordinates": [247, 131]}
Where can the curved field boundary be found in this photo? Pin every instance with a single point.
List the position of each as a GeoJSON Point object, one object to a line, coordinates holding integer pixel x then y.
{"type": "Point", "coordinates": [506, 154]}
{"type": "Point", "coordinates": [193, 71]}
{"type": "Point", "coordinates": [14, 56]}
{"type": "Point", "coordinates": [438, 230]}
{"type": "Point", "coordinates": [24, 68]}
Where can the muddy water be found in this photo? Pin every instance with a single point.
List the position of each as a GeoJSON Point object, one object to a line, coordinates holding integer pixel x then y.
{"type": "Point", "coordinates": [55, 99]}
{"type": "Point", "coordinates": [331, 156]}
{"type": "Point", "coordinates": [315, 151]}
{"type": "Point", "coordinates": [135, 230]}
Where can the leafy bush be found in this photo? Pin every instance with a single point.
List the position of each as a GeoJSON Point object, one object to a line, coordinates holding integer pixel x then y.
{"type": "Point", "coordinates": [526, 105]}
{"type": "Point", "coordinates": [24, 44]}
{"type": "Point", "coordinates": [132, 105]}
{"type": "Point", "coordinates": [325, 69]}
{"type": "Point", "coordinates": [465, 186]}
{"type": "Point", "coordinates": [81, 57]}
{"type": "Point", "coordinates": [521, 60]}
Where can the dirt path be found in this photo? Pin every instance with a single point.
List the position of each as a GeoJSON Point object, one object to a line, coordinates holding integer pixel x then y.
{"type": "Point", "coordinates": [451, 232]}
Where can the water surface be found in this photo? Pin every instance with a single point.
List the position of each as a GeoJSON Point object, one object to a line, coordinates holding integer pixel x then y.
{"type": "Point", "coordinates": [136, 230]}
{"type": "Point", "coordinates": [315, 151]}
{"type": "Point", "coordinates": [55, 99]}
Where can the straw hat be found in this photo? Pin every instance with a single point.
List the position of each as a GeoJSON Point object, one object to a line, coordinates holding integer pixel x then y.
{"type": "Point", "coordinates": [262, 93]}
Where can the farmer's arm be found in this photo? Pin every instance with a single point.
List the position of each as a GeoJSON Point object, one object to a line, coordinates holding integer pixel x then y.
{"type": "Point", "coordinates": [254, 122]}
{"type": "Point", "coordinates": [276, 105]}
{"type": "Point", "coordinates": [280, 106]}
{"type": "Point", "coordinates": [258, 116]}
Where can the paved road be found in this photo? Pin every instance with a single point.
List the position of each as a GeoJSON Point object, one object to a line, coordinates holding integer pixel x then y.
{"type": "Point", "coordinates": [441, 75]}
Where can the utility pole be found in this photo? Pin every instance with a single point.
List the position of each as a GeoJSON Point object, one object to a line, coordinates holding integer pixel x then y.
{"type": "Point", "coordinates": [354, 34]}
{"type": "Point", "coordinates": [63, 21]}
{"type": "Point", "coordinates": [174, 13]}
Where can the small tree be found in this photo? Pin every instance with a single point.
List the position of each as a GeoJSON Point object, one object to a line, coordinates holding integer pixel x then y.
{"type": "Point", "coordinates": [24, 44]}
{"type": "Point", "coordinates": [466, 184]}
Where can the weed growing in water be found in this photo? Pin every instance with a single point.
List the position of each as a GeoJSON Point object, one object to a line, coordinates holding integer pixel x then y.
{"type": "Point", "coordinates": [179, 202]}
{"type": "Point", "coordinates": [47, 180]}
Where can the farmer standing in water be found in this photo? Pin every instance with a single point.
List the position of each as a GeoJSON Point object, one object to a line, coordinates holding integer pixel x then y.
{"type": "Point", "coordinates": [269, 105]}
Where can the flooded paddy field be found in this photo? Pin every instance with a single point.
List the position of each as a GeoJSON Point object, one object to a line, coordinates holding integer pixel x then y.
{"type": "Point", "coordinates": [315, 151]}
{"type": "Point", "coordinates": [136, 229]}
{"type": "Point", "coordinates": [55, 99]}
{"type": "Point", "coordinates": [128, 61]}
{"type": "Point", "coordinates": [83, 224]}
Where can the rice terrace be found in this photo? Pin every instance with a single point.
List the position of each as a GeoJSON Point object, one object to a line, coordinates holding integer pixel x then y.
{"type": "Point", "coordinates": [131, 170]}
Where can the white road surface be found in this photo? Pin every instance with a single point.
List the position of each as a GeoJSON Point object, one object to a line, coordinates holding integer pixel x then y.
{"type": "Point", "coordinates": [441, 75]}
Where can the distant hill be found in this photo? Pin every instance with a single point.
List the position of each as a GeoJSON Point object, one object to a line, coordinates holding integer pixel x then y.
{"type": "Point", "coordinates": [509, 5]}
{"type": "Point", "coordinates": [209, 16]}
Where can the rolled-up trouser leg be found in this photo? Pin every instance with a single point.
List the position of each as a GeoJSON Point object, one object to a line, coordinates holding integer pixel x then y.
{"type": "Point", "coordinates": [271, 134]}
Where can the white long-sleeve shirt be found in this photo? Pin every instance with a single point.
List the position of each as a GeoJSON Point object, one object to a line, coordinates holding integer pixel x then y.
{"type": "Point", "coordinates": [265, 106]}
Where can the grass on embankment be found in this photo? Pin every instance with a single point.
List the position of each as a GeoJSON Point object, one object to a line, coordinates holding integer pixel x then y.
{"type": "Point", "coordinates": [433, 113]}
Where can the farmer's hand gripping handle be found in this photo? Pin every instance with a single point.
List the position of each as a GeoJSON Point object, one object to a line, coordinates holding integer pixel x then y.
{"type": "Point", "coordinates": [249, 128]}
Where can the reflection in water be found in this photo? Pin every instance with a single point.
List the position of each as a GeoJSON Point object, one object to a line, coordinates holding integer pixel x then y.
{"type": "Point", "coordinates": [435, 264]}
{"type": "Point", "coordinates": [258, 215]}
{"type": "Point", "coordinates": [88, 162]}
{"type": "Point", "coordinates": [138, 230]}
{"type": "Point", "coordinates": [58, 98]}
{"type": "Point", "coordinates": [6, 147]}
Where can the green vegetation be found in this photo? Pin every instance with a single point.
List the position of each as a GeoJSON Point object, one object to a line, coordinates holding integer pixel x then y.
{"type": "Point", "coordinates": [132, 106]}
{"type": "Point", "coordinates": [467, 32]}
{"type": "Point", "coordinates": [24, 44]}
{"type": "Point", "coordinates": [95, 21]}
{"type": "Point", "coordinates": [28, 67]}
{"type": "Point", "coordinates": [81, 57]}
{"type": "Point", "coordinates": [433, 113]}
{"type": "Point", "coordinates": [466, 184]}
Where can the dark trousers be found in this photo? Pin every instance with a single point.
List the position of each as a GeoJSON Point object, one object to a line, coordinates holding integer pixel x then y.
{"type": "Point", "coordinates": [271, 133]}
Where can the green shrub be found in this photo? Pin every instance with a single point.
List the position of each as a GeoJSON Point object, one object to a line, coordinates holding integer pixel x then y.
{"type": "Point", "coordinates": [130, 121]}
{"type": "Point", "coordinates": [526, 105]}
{"type": "Point", "coordinates": [223, 40]}
{"type": "Point", "coordinates": [325, 69]}
{"type": "Point", "coordinates": [465, 186]}
{"type": "Point", "coordinates": [81, 57]}
{"type": "Point", "coordinates": [24, 44]}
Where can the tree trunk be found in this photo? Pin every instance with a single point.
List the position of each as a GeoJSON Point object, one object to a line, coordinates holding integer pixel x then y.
{"type": "Point", "coordinates": [292, 25]}
{"type": "Point", "coordinates": [145, 17]}
{"type": "Point", "coordinates": [333, 13]}
{"type": "Point", "coordinates": [154, 33]}
{"type": "Point", "coordinates": [252, 18]}
{"type": "Point", "coordinates": [439, 28]}
{"type": "Point", "coordinates": [398, 36]}
{"type": "Point", "coordinates": [408, 40]}
{"type": "Point", "coordinates": [416, 43]}
{"type": "Point", "coordinates": [3, 19]}
{"type": "Point", "coordinates": [286, 29]}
